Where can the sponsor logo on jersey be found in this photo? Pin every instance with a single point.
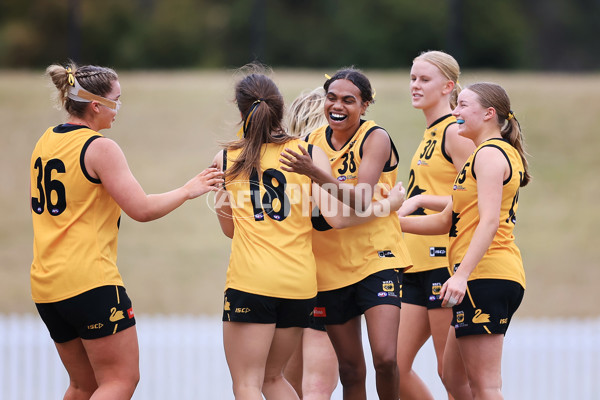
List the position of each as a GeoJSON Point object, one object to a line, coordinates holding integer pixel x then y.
{"type": "Point", "coordinates": [130, 313]}
{"type": "Point", "coordinates": [437, 252]}
{"type": "Point", "coordinates": [95, 326]}
{"type": "Point", "coordinates": [382, 294]}
{"type": "Point", "coordinates": [242, 310]}
{"type": "Point", "coordinates": [385, 254]}
{"type": "Point", "coordinates": [343, 178]}
{"type": "Point", "coordinates": [460, 188]}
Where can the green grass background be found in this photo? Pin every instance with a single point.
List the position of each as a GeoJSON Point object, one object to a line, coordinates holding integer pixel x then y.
{"type": "Point", "coordinates": [170, 126]}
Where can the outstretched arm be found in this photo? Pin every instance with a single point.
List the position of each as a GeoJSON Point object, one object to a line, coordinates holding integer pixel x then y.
{"type": "Point", "coordinates": [105, 160]}
{"type": "Point", "coordinates": [376, 151]}
{"type": "Point", "coordinates": [430, 202]}
{"type": "Point", "coordinates": [339, 215]}
{"type": "Point", "coordinates": [223, 204]}
{"type": "Point", "coordinates": [434, 224]}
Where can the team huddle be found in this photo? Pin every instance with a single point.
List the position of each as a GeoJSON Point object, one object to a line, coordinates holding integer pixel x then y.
{"type": "Point", "coordinates": [321, 234]}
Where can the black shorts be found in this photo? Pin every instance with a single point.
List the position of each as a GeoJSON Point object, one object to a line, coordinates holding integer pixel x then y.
{"type": "Point", "coordinates": [341, 305]}
{"type": "Point", "coordinates": [241, 306]}
{"type": "Point", "coordinates": [94, 314]}
{"type": "Point", "coordinates": [487, 307]}
{"type": "Point", "coordinates": [423, 288]}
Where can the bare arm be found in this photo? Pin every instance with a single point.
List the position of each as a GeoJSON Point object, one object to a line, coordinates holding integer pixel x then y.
{"type": "Point", "coordinates": [428, 201]}
{"type": "Point", "coordinates": [434, 224]}
{"type": "Point", "coordinates": [376, 151]}
{"type": "Point", "coordinates": [223, 204]}
{"type": "Point", "coordinates": [490, 168]}
{"type": "Point", "coordinates": [105, 160]}
{"type": "Point", "coordinates": [339, 215]}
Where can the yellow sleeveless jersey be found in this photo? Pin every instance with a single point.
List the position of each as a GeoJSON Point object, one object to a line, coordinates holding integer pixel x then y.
{"type": "Point", "coordinates": [75, 221]}
{"type": "Point", "coordinates": [431, 173]}
{"type": "Point", "coordinates": [271, 250]}
{"type": "Point", "coordinates": [346, 256]}
{"type": "Point", "coordinates": [503, 259]}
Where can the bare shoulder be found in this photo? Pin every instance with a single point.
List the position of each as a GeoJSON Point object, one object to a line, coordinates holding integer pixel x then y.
{"type": "Point", "coordinates": [218, 160]}
{"type": "Point", "coordinates": [378, 140]}
{"type": "Point", "coordinates": [103, 151]}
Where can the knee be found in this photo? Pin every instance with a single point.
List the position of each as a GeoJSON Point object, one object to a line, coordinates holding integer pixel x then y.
{"type": "Point", "coordinates": [271, 379]}
{"type": "Point", "coordinates": [126, 383]}
{"type": "Point", "coordinates": [321, 387]}
{"type": "Point", "coordinates": [454, 383]}
{"type": "Point", "coordinates": [131, 380]}
{"type": "Point", "coordinates": [386, 364]}
{"type": "Point", "coordinates": [351, 374]}
{"type": "Point", "coordinates": [77, 391]}
{"type": "Point", "coordinates": [486, 390]}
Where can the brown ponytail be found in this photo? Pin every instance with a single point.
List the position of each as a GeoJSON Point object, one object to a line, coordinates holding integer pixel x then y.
{"type": "Point", "coordinates": [261, 105]}
{"type": "Point", "coordinates": [493, 95]}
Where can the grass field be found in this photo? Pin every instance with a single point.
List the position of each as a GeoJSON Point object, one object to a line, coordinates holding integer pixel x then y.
{"type": "Point", "coordinates": [170, 126]}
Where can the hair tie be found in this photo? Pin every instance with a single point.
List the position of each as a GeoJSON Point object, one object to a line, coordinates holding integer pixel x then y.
{"type": "Point", "coordinates": [510, 116]}
{"type": "Point", "coordinates": [248, 118]}
{"type": "Point", "coordinates": [70, 76]}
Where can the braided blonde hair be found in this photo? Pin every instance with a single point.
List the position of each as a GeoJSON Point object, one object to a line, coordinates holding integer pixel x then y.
{"type": "Point", "coordinates": [96, 80]}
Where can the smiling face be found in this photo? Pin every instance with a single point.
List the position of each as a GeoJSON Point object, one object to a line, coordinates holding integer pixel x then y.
{"type": "Point", "coordinates": [470, 114]}
{"type": "Point", "coordinates": [344, 106]}
{"type": "Point", "coordinates": [428, 86]}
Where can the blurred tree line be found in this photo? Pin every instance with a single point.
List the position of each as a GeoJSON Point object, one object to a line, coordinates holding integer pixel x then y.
{"type": "Point", "coordinates": [500, 34]}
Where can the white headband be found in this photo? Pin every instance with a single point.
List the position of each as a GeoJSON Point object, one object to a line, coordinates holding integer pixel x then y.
{"type": "Point", "coordinates": [77, 93]}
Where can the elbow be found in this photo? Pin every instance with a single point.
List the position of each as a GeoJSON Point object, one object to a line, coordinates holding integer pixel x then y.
{"type": "Point", "coordinates": [141, 216]}
{"type": "Point", "coordinates": [491, 224]}
{"type": "Point", "coordinates": [341, 224]}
